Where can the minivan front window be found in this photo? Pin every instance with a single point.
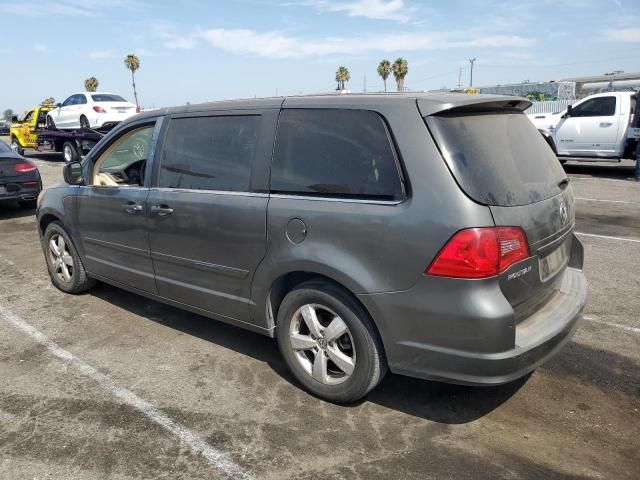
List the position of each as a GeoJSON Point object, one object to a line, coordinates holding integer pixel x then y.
{"type": "Point", "coordinates": [498, 158]}
{"type": "Point", "coordinates": [124, 163]}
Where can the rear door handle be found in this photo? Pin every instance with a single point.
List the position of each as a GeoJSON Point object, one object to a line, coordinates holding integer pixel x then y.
{"type": "Point", "coordinates": [161, 210]}
{"type": "Point", "coordinates": [132, 207]}
{"type": "Point", "coordinates": [605, 124]}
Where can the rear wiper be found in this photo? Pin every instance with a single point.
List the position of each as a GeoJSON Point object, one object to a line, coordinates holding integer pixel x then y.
{"type": "Point", "coordinates": [563, 183]}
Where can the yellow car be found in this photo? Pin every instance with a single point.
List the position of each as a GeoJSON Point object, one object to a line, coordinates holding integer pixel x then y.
{"type": "Point", "coordinates": [23, 133]}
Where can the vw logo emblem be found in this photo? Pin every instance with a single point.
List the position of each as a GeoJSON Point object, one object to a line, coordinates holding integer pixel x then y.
{"type": "Point", "coordinates": [564, 214]}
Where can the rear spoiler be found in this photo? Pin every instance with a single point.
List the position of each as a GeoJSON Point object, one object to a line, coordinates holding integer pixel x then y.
{"type": "Point", "coordinates": [464, 103]}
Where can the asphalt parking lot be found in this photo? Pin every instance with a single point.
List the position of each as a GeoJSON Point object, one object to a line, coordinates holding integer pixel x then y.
{"type": "Point", "coordinates": [112, 385]}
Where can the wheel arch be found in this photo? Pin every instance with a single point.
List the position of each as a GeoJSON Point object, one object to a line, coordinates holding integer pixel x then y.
{"type": "Point", "coordinates": [287, 282]}
{"type": "Point", "coordinates": [45, 220]}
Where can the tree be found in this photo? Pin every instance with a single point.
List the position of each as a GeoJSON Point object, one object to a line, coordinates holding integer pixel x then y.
{"type": "Point", "coordinates": [133, 63]}
{"type": "Point", "coordinates": [49, 101]}
{"type": "Point", "coordinates": [384, 70]}
{"type": "Point", "coordinates": [342, 76]}
{"type": "Point", "coordinates": [91, 84]}
{"type": "Point", "coordinates": [400, 70]}
{"type": "Point", "coordinates": [7, 114]}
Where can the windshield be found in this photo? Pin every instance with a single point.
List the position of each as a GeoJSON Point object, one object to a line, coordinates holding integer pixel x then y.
{"type": "Point", "coordinates": [498, 158]}
{"type": "Point", "coordinates": [107, 97]}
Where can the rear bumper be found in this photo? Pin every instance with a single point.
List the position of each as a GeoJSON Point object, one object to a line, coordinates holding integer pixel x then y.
{"type": "Point", "coordinates": [441, 348]}
{"type": "Point", "coordinates": [19, 191]}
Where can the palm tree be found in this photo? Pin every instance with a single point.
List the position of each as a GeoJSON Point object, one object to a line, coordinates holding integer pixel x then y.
{"type": "Point", "coordinates": [133, 63]}
{"type": "Point", "coordinates": [384, 70]}
{"type": "Point", "coordinates": [91, 84]}
{"type": "Point", "coordinates": [342, 76]}
{"type": "Point", "coordinates": [400, 69]}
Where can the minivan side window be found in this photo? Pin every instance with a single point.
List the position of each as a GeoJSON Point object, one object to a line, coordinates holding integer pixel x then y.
{"type": "Point", "coordinates": [332, 152]}
{"type": "Point", "coordinates": [209, 153]}
{"type": "Point", "coordinates": [596, 107]}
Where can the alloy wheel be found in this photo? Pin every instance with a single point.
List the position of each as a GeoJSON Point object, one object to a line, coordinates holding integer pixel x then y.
{"type": "Point", "coordinates": [61, 259]}
{"type": "Point", "coordinates": [322, 344]}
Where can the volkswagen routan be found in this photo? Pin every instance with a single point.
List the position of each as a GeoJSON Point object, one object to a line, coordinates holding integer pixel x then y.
{"type": "Point", "coordinates": [431, 235]}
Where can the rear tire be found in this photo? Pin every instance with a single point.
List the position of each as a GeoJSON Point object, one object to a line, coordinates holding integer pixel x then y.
{"type": "Point", "coordinates": [27, 204]}
{"type": "Point", "coordinates": [343, 359]}
{"type": "Point", "coordinates": [69, 152]}
{"type": "Point", "coordinates": [84, 123]}
{"type": "Point", "coordinates": [63, 262]}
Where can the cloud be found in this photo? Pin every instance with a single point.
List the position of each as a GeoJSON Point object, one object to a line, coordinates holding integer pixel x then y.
{"type": "Point", "coordinates": [171, 39]}
{"type": "Point", "coordinates": [100, 54]}
{"type": "Point", "coordinates": [395, 10]}
{"type": "Point", "coordinates": [626, 35]}
{"type": "Point", "coordinates": [66, 8]}
{"type": "Point", "coordinates": [278, 45]}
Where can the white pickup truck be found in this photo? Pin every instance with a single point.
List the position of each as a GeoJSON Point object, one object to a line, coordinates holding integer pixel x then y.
{"type": "Point", "coordinates": [596, 128]}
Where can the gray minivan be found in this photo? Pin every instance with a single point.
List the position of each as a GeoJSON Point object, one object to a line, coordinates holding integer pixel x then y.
{"type": "Point", "coordinates": [431, 235]}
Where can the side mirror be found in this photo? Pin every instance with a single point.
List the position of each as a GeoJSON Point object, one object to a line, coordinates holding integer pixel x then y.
{"type": "Point", "coordinates": [72, 173]}
{"type": "Point", "coordinates": [14, 119]}
{"type": "Point", "coordinates": [568, 113]}
{"type": "Point", "coordinates": [58, 105]}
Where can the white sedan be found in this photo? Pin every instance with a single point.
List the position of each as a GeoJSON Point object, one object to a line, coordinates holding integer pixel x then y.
{"type": "Point", "coordinates": [94, 110]}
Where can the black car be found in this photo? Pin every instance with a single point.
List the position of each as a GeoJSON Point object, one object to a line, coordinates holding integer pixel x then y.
{"type": "Point", "coordinates": [19, 178]}
{"type": "Point", "coordinates": [4, 128]}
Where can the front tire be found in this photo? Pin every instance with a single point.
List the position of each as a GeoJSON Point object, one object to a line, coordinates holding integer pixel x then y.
{"type": "Point", "coordinates": [15, 145]}
{"type": "Point", "coordinates": [329, 342]}
{"type": "Point", "coordinates": [63, 262]}
{"type": "Point", "coordinates": [51, 125]}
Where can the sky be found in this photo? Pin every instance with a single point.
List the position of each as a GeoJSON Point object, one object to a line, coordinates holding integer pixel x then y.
{"type": "Point", "coordinates": [197, 50]}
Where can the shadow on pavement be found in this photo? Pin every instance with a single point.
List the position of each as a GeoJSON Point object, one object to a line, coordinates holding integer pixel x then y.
{"type": "Point", "coordinates": [10, 209]}
{"type": "Point", "coordinates": [435, 401]}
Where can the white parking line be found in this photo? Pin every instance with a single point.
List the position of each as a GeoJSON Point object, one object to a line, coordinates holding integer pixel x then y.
{"type": "Point", "coordinates": [611, 324]}
{"type": "Point", "coordinates": [600, 200]}
{"type": "Point", "coordinates": [608, 237]}
{"type": "Point", "coordinates": [215, 457]}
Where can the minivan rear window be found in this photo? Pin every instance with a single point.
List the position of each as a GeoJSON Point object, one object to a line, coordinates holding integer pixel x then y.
{"type": "Point", "coordinates": [497, 158]}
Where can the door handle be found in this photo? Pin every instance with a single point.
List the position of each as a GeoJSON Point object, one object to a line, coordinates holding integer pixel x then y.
{"type": "Point", "coordinates": [605, 124]}
{"type": "Point", "coordinates": [161, 210]}
{"type": "Point", "coordinates": [132, 208]}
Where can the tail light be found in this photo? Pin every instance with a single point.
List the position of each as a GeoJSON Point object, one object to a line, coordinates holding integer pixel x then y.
{"type": "Point", "coordinates": [99, 109]}
{"type": "Point", "coordinates": [24, 167]}
{"type": "Point", "coordinates": [480, 252]}
{"type": "Point", "coordinates": [138, 109]}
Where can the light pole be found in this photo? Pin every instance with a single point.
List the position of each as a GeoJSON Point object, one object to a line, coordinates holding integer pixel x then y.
{"type": "Point", "coordinates": [471, 61]}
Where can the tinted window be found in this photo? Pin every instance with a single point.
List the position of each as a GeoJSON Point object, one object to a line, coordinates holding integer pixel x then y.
{"type": "Point", "coordinates": [105, 97]}
{"type": "Point", "coordinates": [596, 107]}
{"type": "Point", "coordinates": [81, 99]}
{"type": "Point", "coordinates": [68, 101]}
{"type": "Point", "coordinates": [498, 158]}
{"type": "Point", "coordinates": [334, 152]}
{"type": "Point", "coordinates": [209, 153]}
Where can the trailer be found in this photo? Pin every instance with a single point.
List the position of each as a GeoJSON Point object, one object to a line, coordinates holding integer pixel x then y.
{"type": "Point", "coordinates": [73, 144]}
